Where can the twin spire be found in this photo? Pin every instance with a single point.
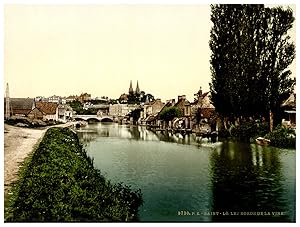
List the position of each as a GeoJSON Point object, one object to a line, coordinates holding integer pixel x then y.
{"type": "Point", "coordinates": [137, 90]}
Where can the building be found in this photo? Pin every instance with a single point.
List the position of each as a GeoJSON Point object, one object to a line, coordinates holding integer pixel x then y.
{"type": "Point", "coordinates": [54, 98]}
{"type": "Point", "coordinates": [85, 97]}
{"type": "Point", "coordinates": [137, 90]}
{"type": "Point", "coordinates": [121, 110]}
{"type": "Point", "coordinates": [130, 90]}
{"type": "Point", "coordinates": [65, 113]}
{"type": "Point", "coordinates": [36, 114]}
{"type": "Point", "coordinates": [203, 112]}
{"type": "Point", "coordinates": [185, 106]}
{"type": "Point", "coordinates": [289, 107]}
{"type": "Point", "coordinates": [123, 98]}
{"type": "Point", "coordinates": [20, 106]}
{"type": "Point", "coordinates": [71, 98]}
{"type": "Point", "coordinates": [150, 108]}
{"type": "Point", "coordinates": [49, 109]}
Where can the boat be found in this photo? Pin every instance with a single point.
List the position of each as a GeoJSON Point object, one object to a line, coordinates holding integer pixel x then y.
{"type": "Point", "coordinates": [262, 141]}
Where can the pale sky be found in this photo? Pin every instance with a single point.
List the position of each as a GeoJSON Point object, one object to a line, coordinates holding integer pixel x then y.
{"type": "Point", "coordinates": [69, 49]}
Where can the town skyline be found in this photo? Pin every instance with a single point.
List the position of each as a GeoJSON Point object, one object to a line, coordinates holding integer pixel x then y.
{"type": "Point", "coordinates": [99, 49]}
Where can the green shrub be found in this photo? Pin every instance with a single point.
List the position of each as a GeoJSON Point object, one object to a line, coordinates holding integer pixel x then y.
{"type": "Point", "coordinates": [251, 129]}
{"type": "Point", "coordinates": [60, 183]}
{"type": "Point", "coordinates": [282, 137]}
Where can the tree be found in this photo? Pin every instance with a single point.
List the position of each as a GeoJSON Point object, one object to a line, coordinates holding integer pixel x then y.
{"type": "Point", "coordinates": [251, 53]}
{"type": "Point", "coordinates": [135, 114]}
{"type": "Point", "coordinates": [169, 113]}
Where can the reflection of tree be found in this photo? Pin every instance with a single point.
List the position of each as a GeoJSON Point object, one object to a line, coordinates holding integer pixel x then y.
{"type": "Point", "coordinates": [246, 180]}
{"type": "Point", "coordinates": [87, 136]}
{"type": "Point", "coordinates": [134, 132]}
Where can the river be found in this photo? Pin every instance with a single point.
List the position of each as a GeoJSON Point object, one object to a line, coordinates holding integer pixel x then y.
{"type": "Point", "coordinates": [186, 179]}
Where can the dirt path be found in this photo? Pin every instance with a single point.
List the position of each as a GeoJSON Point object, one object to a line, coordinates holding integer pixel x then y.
{"type": "Point", "coordinates": [18, 144]}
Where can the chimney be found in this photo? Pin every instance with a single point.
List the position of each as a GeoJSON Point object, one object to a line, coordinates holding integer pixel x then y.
{"type": "Point", "coordinates": [179, 97]}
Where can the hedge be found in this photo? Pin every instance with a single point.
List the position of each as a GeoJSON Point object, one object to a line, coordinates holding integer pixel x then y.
{"type": "Point", "coordinates": [60, 184]}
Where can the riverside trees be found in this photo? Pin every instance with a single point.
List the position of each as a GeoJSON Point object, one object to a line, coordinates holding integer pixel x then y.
{"type": "Point", "coordinates": [251, 52]}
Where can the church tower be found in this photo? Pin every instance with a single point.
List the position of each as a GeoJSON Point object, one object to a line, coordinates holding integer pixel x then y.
{"type": "Point", "coordinates": [137, 90]}
{"type": "Point", "coordinates": [7, 106]}
{"type": "Point", "coordinates": [130, 88]}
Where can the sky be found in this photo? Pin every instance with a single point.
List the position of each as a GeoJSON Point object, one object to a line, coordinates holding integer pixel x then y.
{"type": "Point", "coordinates": [70, 49]}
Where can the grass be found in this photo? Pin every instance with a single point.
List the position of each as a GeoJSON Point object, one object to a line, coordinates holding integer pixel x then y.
{"type": "Point", "coordinates": [59, 183]}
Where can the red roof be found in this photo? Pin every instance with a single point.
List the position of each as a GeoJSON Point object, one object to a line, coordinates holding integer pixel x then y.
{"type": "Point", "coordinates": [47, 107]}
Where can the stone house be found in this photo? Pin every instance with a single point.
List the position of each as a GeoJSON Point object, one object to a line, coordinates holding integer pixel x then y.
{"type": "Point", "coordinates": [49, 109]}
{"type": "Point", "coordinates": [203, 112]}
{"type": "Point", "coordinates": [185, 106]}
{"type": "Point", "coordinates": [65, 113]}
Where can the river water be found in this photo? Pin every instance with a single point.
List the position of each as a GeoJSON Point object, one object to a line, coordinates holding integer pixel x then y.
{"type": "Point", "coordinates": [186, 179]}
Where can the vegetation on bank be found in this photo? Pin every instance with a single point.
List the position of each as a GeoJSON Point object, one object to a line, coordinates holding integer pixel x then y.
{"type": "Point", "coordinates": [78, 108]}
{"type": "Point", "coordinates": [248, 131]}
{"type": "Point", "coordinates": [29, 123]}
{"type": "Point", "coordinates": [169, 113]}
{"type": "Point", "coordinates": [60, 183]}
{"type": "Point", "coordinates": [282, 137]}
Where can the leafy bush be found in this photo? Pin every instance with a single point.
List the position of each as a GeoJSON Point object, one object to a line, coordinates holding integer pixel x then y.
{"type": "Point", "coordinates": [60, 183]}
{"type": "Point", "coordinates": [169, 113]}
{"type": "Point", "coordinates": [282, 137]}
{"type": "Point", "coordinates": [247, 130]}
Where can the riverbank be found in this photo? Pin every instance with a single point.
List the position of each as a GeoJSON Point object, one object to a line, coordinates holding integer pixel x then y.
{"type": "Point", "coordinates": [59, 183]}
{"type": "Point", "coordinates": [18, 144]}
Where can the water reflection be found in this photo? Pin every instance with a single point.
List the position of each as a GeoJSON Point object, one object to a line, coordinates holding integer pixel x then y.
{"type": "Point", "coordinates": [247, 178]}
{"type": "Point", "coordinates": [175, 176]}
{"type": "Point", "coordinates": [113, 130]}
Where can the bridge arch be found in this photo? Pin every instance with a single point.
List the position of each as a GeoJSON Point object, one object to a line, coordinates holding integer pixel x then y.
{"type": "Point", "coordinates": [79, 119]}
{"type": "Point", "coordinates": [93, 119]}
{"type": "Point", "coordinates": [106, 119]}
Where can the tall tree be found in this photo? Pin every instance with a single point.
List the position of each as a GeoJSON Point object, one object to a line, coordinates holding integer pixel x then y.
{"type": "Point", "coordinates": [251, 53]}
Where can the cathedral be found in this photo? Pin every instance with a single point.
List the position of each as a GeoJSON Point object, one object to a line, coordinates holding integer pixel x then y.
{"type": "Point", "coordinates": [137, 90]}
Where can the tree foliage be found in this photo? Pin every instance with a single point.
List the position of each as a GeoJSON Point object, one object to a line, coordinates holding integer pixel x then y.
{"type": "Point", "coordinates": [134, 98]}
{"type": "Point", "coordinates": [251, 52]}
{"type": "Point", "coordinates": [169, 113]}
{"type": "Point", "coordinates": [135, 114]}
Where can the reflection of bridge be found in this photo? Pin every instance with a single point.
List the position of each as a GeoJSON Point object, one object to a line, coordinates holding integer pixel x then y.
{"type": "Point", "coordinates": [106, 118]}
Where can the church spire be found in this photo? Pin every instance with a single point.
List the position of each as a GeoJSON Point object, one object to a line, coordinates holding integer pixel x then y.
{"type": "Point", "coordinates": [130, 88]}
{"type": "Point", "coordinates": [7, 106]}
{"type": "Point", "coordinates": [137, 90]}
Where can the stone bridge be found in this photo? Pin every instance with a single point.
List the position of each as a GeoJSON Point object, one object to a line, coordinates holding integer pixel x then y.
{"type": "Point", "coordinates": [105, 118]}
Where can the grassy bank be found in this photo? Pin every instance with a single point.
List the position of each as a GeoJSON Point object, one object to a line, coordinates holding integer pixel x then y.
{"type": "Point", "coordinates": [59, 183]}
